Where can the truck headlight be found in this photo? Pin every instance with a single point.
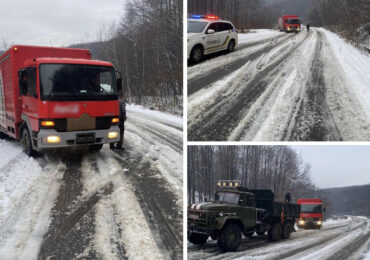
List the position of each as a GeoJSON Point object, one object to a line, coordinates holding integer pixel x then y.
{"type": "Point", "coordinates": [52, 139]}
{"type": "Point", "coordinates": [319, 222]}
{"type": "Point", "coordinates": [112, 135]}
{"type": "Point", "coordinates": [301, 222]}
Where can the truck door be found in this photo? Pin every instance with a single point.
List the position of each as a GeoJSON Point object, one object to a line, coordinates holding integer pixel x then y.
{"type": "Point", "coordinates": [212, 40]}
{"type": "Point", "coordinates": [29, 95]}
{"type": "Point", "coordinates": [248, 212]}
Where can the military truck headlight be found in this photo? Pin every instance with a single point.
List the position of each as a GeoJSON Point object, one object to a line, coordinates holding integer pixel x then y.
{"type": "Point", "coordinates": [301, 222]}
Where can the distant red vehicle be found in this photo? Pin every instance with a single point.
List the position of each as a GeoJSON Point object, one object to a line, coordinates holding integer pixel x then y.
{"type": "Point", "coordinates": [311, 215]}
{"type": "Point", "coordinates": [57, 97]}
{"type": "Point", "coordinates": [289, 23]}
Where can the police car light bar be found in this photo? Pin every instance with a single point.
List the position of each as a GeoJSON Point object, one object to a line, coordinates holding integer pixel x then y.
{"type": "Point", "coordinates": [228, 183]}
{"type": "Point", "coordinates": [209, 17]}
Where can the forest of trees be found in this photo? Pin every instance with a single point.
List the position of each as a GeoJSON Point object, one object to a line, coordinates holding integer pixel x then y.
{"type": "Point", "coordinates": [278, 168]}
{"type": "Point", "coordinates": [146, 47]}
{"type": "Point", "coordinates": [349, 18]}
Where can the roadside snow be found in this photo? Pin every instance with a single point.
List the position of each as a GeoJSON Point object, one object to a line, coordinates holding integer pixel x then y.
{"type": "Point", "coordinates": [27, 195]}
{"type": "Point", "coordinates": [356, 66]}
{"type": "Point", "coordinates": [257, 35]}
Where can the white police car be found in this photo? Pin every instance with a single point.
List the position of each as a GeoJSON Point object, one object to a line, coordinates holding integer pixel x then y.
{"type": "Point", "coordinates": [208, 34]}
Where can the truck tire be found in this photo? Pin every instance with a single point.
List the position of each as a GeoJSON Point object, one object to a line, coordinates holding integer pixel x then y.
{"type": "Point", "coordinates": [197, 239]}
{"type": "Point", "coordinates": [261, 233]}
{"type": "Point", "coordinates": [230, 238]}
{"type": "Point", "coordinates": [231, 46]}
{"type": "Point", "coordinates": [196, 54]}
{"type": "Point", "coordinates": [248, 234]}
{"type": "Point", "coordinates": [274, 233]}
{"type": "Point", "coordinates": [287, 229]}
{"type": "Point", "coordinates": [96, 147]}
{"type": "Point", "coordinates": [27, 143]}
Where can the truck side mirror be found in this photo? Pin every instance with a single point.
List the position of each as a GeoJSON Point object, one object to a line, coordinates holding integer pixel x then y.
{"type": "Point", "coordinates": [119, 85]}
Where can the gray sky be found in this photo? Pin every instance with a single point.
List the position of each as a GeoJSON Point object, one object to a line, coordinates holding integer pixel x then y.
{"type": "Point", "coordinates": [337, 165]}
{"type": "Point", "coordinates": [61, 21]}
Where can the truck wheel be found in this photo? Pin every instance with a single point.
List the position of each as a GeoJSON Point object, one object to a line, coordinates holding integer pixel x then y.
{"type": "Point", "coordinates": [230, 238]}
{"type": "Point", "coordinates": [197, 239]}
{"type": "Point", "coordinates": [96, 147]}
{"type": "Point", "coordinates": [27, 143]}
{"type": "Point", "coordinates": [274, 233]}
{"type": "Point", "coordinates": [261, 233]}
{"type": "Point", "coordinates": [196, 54]}
{"type": "Point", "coordinates": [231, 46]}
{"type": "Point", "coordinates": [287, 229]}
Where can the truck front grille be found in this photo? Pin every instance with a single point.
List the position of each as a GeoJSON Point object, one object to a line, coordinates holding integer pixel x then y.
{"type": "Point", "coordinates": [100, 123]}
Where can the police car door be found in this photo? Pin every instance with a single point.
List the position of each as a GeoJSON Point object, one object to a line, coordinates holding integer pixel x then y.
{"type": "Point", "coordinates": [212, 39]}
{"type": "Point", "coordinates": [225, 30]}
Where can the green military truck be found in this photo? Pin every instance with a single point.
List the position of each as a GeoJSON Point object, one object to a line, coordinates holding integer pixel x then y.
{"type": "Point", "coordinates": [236, 211]}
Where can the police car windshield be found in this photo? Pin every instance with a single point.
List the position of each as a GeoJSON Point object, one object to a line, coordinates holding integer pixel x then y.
{"type": "Point", "coordinates": [196, 26]}
{"type": "Point", "coordinates": [227, 197]}
{"type": "Point", "coordinates": [293, 21]}
{"type": "Point", "coordinates": [307, 208]}
{"type": "Point", "coordinates": [77, 82]}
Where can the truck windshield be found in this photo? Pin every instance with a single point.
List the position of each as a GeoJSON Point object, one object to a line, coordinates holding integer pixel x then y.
{"type": "Point", "coordinates": [293, 21]}
{"type": "Point", "coordinates": [227, 197]}
{"type": "Point", "coordinates": [77, 82]}
{"type": "Point", "coordinates": [308, 208]}
{"type": "Point", "coordinates": [196, 27]}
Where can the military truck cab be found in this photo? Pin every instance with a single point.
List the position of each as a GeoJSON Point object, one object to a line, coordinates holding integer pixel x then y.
{"type": "Point", "coordinates": [238, 211]}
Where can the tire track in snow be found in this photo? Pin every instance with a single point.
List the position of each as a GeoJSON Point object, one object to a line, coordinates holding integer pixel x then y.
{"type": "Point", "coordinates": [222, 118]}
{"type": "Point", "coordinates": [216, 74]}
{"type": "Point", "coordinates": [257, 247]}
{"type": "Point", "coordinates": [158, 203]}
{"type": "Point", "coordinates": [314, 121]}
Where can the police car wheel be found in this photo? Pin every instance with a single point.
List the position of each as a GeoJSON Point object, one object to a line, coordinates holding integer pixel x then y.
{"type": "Point", "coordinates": [231, 46]}
{"type": "Point", "coordinates": [196, 54]}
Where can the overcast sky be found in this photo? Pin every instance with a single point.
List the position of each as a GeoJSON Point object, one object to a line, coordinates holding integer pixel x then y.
{"type": "Point", "coordinates": [60, 21]}
{"type": "Point", "coordinates": [337, 166]}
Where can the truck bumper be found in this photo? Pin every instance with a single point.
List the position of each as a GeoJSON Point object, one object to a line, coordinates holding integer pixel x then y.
{"type": "Point", "coordinates": [195, 230]}
{"type": "Point", "coordinates": [76, 138]}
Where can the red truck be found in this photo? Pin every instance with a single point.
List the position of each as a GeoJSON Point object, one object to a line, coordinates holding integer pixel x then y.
{"type": "Point", "coordinates": [311, 215]}
{"type": "Point", "coordinates": [289, 23]}
{"type": "Point", "coordinates": [57, 97]}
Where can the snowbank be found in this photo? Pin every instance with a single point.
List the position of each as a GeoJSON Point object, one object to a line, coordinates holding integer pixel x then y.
{"type": "Point", "coordinates": [257, 35]}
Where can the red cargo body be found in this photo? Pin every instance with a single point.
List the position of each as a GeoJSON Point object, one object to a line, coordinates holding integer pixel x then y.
{"type": "Point", "coordinates": [78, 116]}
{"type": "Point", "coordinates": [289, 23]}
{"type": "Point", "coordinates": [311, 215]}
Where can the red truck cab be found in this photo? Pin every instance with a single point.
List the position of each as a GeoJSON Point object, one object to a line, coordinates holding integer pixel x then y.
{"type": "Point", "coordinates": [57, 97]}
{"type": "Point", "coordinates": [311, 215]}
{"type": "Point", "coordinates": [289, 23]}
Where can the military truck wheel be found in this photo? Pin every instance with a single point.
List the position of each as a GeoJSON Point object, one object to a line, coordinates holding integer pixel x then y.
{"type": "Point", "coordinates": [96, 147]}
{"type": "Point", "coordinates": [287, 229]}
{"type": "Point", "coordinates": [274, 233]}
{"type": "Point", "coordinates": [230, 238]}
{"type": "Point", "coordinates": [197, 239]}
{"type": "Point", "coordinates": [27, 143]}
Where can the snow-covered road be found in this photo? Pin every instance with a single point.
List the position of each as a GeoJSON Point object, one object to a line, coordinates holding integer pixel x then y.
{"type": "Point", "coordinates": [338, 239]}
{"type": "Point", "coordinates": [73, 204]}
{"type": "Point", "coordinates": [277, 86]}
